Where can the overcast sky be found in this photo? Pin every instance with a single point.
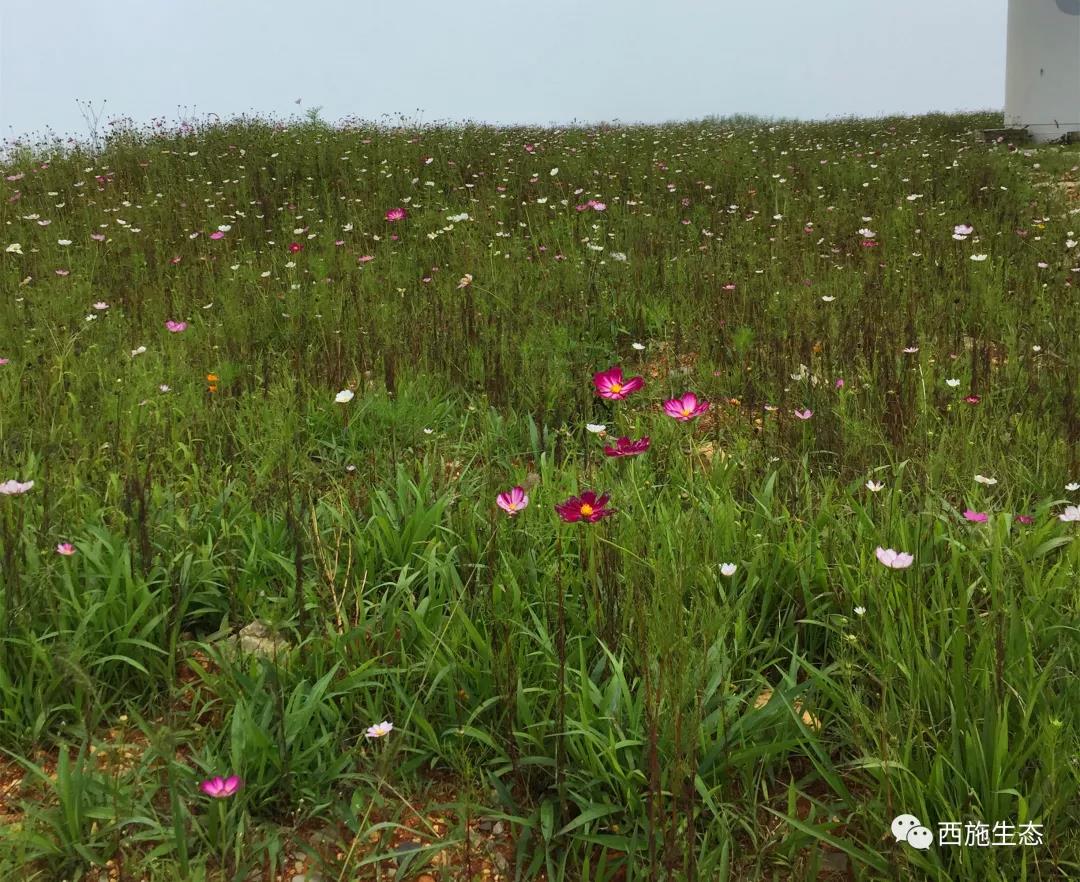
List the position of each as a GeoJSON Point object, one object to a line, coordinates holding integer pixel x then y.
{"type": "Point", "coordinates": [496, 60]}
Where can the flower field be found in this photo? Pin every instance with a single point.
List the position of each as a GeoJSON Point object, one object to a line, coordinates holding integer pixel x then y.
{"type": "Point", "coordinates": [598, 503]}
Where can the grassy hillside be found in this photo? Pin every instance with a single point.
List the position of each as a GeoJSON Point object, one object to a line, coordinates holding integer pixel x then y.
{"type": "Point", "coordinates": [269, 381]}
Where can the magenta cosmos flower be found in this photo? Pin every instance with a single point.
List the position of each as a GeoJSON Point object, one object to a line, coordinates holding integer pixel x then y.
{"type": "Point", "coordinates": [513, 500]}
{"type": "Point", "coordinates": [396, 214]}
{"type": "Point", "coordinates": [587, 507]}
{"type": "Point", "coordinates": [685, 408]}
{"type": "Point", "coordinates": [625, 447]}
{"type": "Point", "coordinates": [976, 517]}
{"type": "Point", "coordinates": [175, 327]}
{"type": "Point", "coordinates": [221, 788]}
{"type": "Point", "coordinates": [894, 560]}
{"type": "Point", "coordinates": [611, 385]}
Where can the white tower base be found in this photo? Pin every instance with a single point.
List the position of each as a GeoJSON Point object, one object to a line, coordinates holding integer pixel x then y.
{"type": "Point", "coordinates": [1042, 79]}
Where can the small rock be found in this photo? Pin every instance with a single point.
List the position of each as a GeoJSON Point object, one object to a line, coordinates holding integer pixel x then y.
{"type": "Point", "coordinates": [498, 828]}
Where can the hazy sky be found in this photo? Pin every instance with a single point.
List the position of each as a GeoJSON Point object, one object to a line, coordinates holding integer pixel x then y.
{"type": "Point", "coordinates": [496, 60]}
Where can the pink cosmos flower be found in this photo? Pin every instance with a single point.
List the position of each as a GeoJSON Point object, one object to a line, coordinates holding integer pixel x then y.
{"type": "Point", "coordinates": [365, 258]}
{"type": "Point", "coordinates": [894, 560]}
{"type": "Point", "coordinates": [4, 361]}
{"type": "Point", "coordinates": [976, 517]}
{"type": "Point", "coordinates": [1024, 519]}
{"type": "Point", "coordinates": [839, 383]}
{"type": "Point", "coordinates": [685, 408]}
{"type": "Point", "coordinates": [530, 148]}
{"type": "Point", "coordinates": [66, 549]}
{"type": "Point", "coordinates": [587, 507]}
{"type": "Point", "coordinates": [804, 414]}
{"type": "Point", "coordinates": [176, 327]}
{"type": "Point", "coordinates": [396, 214]}
{"type": "Point", "coordinates": [973, 399]}
{"type": "Point", "coordinates": [63, 272]}
{"type": "Point", "coordinates": [512, 501]}
{"type": "Point", "coordinates": [15, 488]}
{"type": "Point", "coordinates": [625, 447]}
{"type": "Point", "coordinates": [221, 788]}
{"type": "Point", "coordinates": [98, 237]}
{"type": "Point", "coordinates": [217, 234]}
{"type": "Point", "coordinates": [611, 385]}
{"type": "Point", "coordinates": [295, 247]}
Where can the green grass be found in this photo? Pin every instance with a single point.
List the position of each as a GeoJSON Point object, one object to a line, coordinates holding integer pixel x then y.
{"type": "Point", "coordinates": [594, 687]}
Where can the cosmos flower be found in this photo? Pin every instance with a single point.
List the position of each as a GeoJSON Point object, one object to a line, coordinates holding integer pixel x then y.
{"type": "Point", "coordinates": [804, 414]}
{"type": "Point", "coordinates": [952, 383]}
{"type": "Point", "coordinates": [176, 327]}
{"type": "Point", "coordinates": [728, 569]}
{"type": "Point", "coordinates": [1072, 486]}
{"type": "Point", "coordinates": [685, 408]}
{"type": "Point", "coordinates": [100, 305]}
{"type": "Point", "coordinates": [396, 214]}
{"type": "Point", "coordinates": [217, 234]}
{"type": "Point", "coordinates": [962, 231]}
{"type": "Point", "coordinates": [874, 486]}
{"type": "Point", "coordinates": [15, 488]}
{"type": "Point", "coordinates": [294, 247]}
{"type": "Point", "coordinates": [611, 385]}
{"type": "Point", "coordinates": [1024, 519]}
{"type": "Point", "coordinates": [895, 560]}
{"type": "Point", "coordinates": [513, 501]}
{"type": "Point", "coordinates": [625, 447]}
{"type": "Point", "coordinates": [976, 517]}
{"type": "Point", "coordinates": [587, 507]}
{"type": "Point", "coordinates": [640, 347]}
{"type": "Point", "coordinates": [981, 479]}
{"type": "Point", "coordinates": [596, 428]}
{"type": "Point", "coordinates": [66, 549]}
{"type": "Point", "coordinates": [139, 351]}
{"type": "Point", "coordinates": [1070, 515]}
{"type": "Point", "coordinates": [221, 788]}
{"type": "Point", "coordinates": [344, 396]}
{"type": "Point", "coordinates": [380, 730]}
{"type": "Point", "coordinates": [979, 258]}
{"type": "Point", "coordinates": [972, 399]}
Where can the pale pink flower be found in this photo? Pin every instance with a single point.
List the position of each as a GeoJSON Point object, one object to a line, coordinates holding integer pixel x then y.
{"type": "Point", "coordinates": [380, 730]}
{"type": "Point", "coordinates": [804, 414]}
{"type": "Point", "coordinates": [176, 327]}
{"type": "Point", "coordinates": [66, 549]}
{"type": "Point", "coordinates": [895, 560]}
{"type": "Point", "coordinates": [512, 501]}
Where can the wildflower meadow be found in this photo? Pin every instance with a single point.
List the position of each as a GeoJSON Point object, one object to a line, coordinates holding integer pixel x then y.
{"type": "Point", "coordinates": [608, 503]}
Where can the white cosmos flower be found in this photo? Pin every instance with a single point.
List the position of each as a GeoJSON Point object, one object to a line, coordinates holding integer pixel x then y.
{"type": "Point", "coordinates": [1072, 486]}
{"type": "Point", "coordinates": [952, 382]}
{"type": "Point", "coordinates": [727, 569]}
{"type": "Point", "coordinates": [874, 486]}
{"type": "Point", "coordinates": [640, 347]}
{"type": "Point", "coordinates": [138, 351]}
{"type": "Point", "coordinates": [984, 480]}
{"type": "Point", "coordinates": [64, 242]}
{"type": "Point", "coordinates": [344, 396]}
{"type": "Point", "coordinates": [14, 248]}
{"type": "Point", "coordinates": [596, 428]}
{"type": "Point", "coordinates": [827, 298]}
{"type": "Point", "coordinates": [554, 171]}
{"type": "Point", "coordinates": [1071, 514]}
{"type": "Point", "coordinates": [860, 610]}
{"type": "Point", "coordinates": [979, 257]}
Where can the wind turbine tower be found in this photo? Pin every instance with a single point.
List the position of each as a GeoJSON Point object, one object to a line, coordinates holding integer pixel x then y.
{"type": "Point", "coordinates": [1042, 68]}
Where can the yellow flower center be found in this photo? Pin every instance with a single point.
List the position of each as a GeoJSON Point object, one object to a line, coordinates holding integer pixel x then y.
{"type": "Point", "coordinates": [586, 510]}
{"type": "Point", "coordinates": [616, 388]}
{"type": "Point", "coordinates": [686, 411]}
{"type": "Point", "coordinates": [512, 505]}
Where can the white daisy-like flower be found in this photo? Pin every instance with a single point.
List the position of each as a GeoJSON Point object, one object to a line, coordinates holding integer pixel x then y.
{"type": "Point", "coordinates": [979, 258]}
{"type": "Point", "coordinates": [874, 486]}
{"type": "Point", "coordinates": [596, 428]}
{"type": "Point", "coordinates": [982, 479]}
{"type": "Point", "coordinates": [728, 569]}
{"type": "Point", "coordinates": [380, 730]}
{"type": "Point", "coordinates": [1072, 486]}
{"type": "Point", "coordinates": [952, 382]}
{"type": "Point", "coordinates": [860, 610]}
{"type": "Point", "coordinates": [344, 396]}
{"type": "Point", "coordinates": [640, 347]}
{"type": "Point", "coordinates": [1071, 514]}
{"type": "Point", "coordinates": [138, 351]}
{"type": "Point", "coordinates": [14, 248]}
